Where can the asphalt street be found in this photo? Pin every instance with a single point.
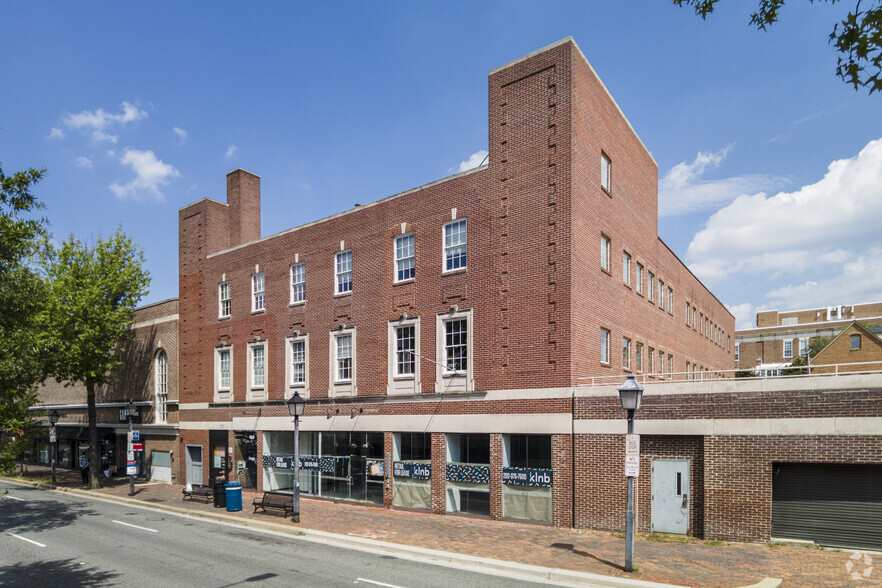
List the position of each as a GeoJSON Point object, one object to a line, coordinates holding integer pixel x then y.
{"type": "Point", "coordinates": [56, 539]}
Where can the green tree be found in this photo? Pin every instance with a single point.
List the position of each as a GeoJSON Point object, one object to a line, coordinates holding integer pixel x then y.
{"type": "Point", "coordinates": [23, 355]}
{"type": "Point", "coordinates": [93, 293]}
{"type": "Point", "coordinates": [858, 38]}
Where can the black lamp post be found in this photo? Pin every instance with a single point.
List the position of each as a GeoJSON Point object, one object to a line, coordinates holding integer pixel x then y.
{"type": "Point", "coordinates": [296, 404]}
{"type": "Point", "coordinates": [130, 414]}
{"type": "Point", "coordinates": [53, 452]}
{"type": "Point", "coordinates": [631, 394]}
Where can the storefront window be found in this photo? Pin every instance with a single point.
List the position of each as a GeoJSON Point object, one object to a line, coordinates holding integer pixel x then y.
{"type": "Point", "coordinates": [527, 477]}
{"type": "Point", "coordinates": [468, 473]}
{"type": "Point", "coordinates": [412, 470]}
{"type": "Point", "coordinates": [341, 465]}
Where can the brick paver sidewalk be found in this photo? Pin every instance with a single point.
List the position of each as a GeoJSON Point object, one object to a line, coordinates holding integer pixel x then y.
{"type": "Point", "coordinates": [694, 563]}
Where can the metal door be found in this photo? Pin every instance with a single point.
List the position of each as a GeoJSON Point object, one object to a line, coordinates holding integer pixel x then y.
{"type": "Point", "coordinates": [194, 464]}
{"type": "Point", "coordinates": [670, 496]}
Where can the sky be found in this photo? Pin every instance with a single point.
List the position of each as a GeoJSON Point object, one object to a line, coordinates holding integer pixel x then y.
{"type": "Point", "coordinates": [770, 167]}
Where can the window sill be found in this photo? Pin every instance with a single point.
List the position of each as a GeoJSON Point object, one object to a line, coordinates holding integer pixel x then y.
{"type": "Point", "coordinates": [606, 191]}
{"type": "Point", "coordinates": [404, 378]}
{"type": "Point", "coordinates": [459, 270]}
{"type": "Point", "coordinates": [299, 303]}
{"type": "Point", "coordinates": [224, 318]}
{"type": "Point", "coordinates": [261, 311]}
{"type": "Point", "coordinates": [343, 294]}
{"type": "Point", "coordinates": [403, 282]}
{"type": "Point", "coordinates": [606, 271]}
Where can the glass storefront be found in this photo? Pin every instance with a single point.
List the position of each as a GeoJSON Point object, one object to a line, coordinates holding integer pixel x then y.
{"type": "Point", "coordinates": [412, 486]}
{"type": "Point", "coordinates": [339, 465]}
{"type": "Point", "coordinates": [468, 473]}
{"type": "Point", "coordinates": [527, 477]}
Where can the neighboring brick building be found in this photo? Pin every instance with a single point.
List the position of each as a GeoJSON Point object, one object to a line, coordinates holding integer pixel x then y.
{"type": "Point", "coordinates": [149, 377]}
{"type": "Point", "coordinates": [443, 329]}
{"type": "Point", "coordinates": [781, 337]}
{"type": "Point", "coordinates": [855, 349]}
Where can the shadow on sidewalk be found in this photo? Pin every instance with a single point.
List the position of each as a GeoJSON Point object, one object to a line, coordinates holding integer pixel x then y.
{"type": "Point", "coordinates": [572, 548]}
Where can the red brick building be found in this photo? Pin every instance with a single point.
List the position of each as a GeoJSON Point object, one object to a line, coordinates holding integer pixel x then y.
{"type": "Point", "coordinates": [440, 332]}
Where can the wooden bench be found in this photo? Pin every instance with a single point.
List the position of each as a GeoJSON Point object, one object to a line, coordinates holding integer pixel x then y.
{"type": "Point", "coordinates": [284, 502]}
{"type": "Point", "coordinates": [199, 491]}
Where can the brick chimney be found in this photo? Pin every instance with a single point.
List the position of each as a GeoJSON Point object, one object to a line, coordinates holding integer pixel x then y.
{"type": "Point", "coordinates": [243, 198]}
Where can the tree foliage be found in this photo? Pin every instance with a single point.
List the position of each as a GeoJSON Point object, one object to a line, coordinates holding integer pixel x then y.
{"type": "Point", "coordinates": [858, 38]}
{"type": "Point", "coordinates": [93, 293]}
{"type": "Point", "coordinates": [23, 352]}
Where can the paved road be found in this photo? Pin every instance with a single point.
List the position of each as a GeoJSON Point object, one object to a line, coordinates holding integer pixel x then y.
{"type": "Point", "coordinates": [54, 539]}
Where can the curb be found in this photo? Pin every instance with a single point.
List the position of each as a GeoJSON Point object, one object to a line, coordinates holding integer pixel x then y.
{"type": "Point", "coordinates": [541, 574]}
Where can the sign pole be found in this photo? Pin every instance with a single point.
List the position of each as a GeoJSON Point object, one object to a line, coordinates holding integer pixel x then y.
{"type": "Point", "coordinates": [629, 516]}
{"type": "Point", "coordinates": [295, 506]}
{"type": "Point", "coordinates": [131, 470]}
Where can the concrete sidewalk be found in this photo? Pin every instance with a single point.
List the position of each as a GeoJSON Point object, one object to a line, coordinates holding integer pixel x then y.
{"type": "Point", "coordinates": [514, 547]}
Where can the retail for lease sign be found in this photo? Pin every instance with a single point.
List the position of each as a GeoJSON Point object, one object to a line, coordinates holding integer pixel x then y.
{"type": "Point", "coordinates": [632, 456]}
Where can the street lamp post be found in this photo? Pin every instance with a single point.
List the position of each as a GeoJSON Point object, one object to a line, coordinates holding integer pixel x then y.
{"type": "Point", "coordinates": [296, 404]}
{"type": "Point", "coordinates": [53, 454]}
{"type": "Point", "coordinates": [631, 394]}
{"type": "Point", "coordinates": [130, 414]}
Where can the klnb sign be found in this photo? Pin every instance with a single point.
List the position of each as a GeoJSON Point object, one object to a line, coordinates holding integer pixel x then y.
{"type": "Point", "coordinates": [527, 477]}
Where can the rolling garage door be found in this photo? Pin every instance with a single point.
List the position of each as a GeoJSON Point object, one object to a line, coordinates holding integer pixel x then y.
{"type": "Point", "coordinates": [836, 505]}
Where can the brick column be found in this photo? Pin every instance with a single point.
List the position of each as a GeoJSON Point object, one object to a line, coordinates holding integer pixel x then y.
{"type": "Point", "coordinates": [495, 477]}
{"type": "Point", "coordinates": [259, 473]}
{"type": "Point", "coordinates": [562, 491]}
{"type": "Point", "coordinates": [388, 449]}
{"type": "Point", "coordinates": [439, 473]}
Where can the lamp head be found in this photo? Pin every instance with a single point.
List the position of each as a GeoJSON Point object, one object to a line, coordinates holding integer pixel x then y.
{"type": "Point", "coordinates": [631, 393]}
{"type": "Point", "coordinates": [130, 409]}
{"type": "Point", "coordinates": [296, 405]}
{"type": "Point", "coordinates": [53, 417]}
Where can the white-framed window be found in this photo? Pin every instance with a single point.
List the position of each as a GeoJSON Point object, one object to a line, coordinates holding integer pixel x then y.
{"type": "Point", "coordinates": [661, 294]}
{"type": "Point", "coordinates": [788, 349]}
{"type": "Point", "coordinates": [803, 347]}
{"type": "Point", "coordinates": [297, 365]}
{"type": "Point", "coordinates": [298, 283]}
{"type": "Point", "coordinates": [224, 300]}
{"type": "Point", "coordinates": [737, 351]}
{"type": "Point", "coordinates": [670, 365]}
{"type": "Point", "coordinates": [626, 353]}
{"type": "Point", "coordinates": [670, 300]}
{"type": "Point", "coordinates": [651, 357]}
{"type": "Point", "coordinates": [790, 321]}
{"type": "Point", "coordinates": [626, 268]}
{"type": "Point", "coordinates": [639, 278]}
{"type": "Point", "coordinates": [343, 271]}
{"type": "Point", "coordinates": [342, 362]}
{"type": "Point", "coordinates": [455, 244]}
{"type": "Point", "coordinates": [223, 373]}
{"type": "Point", "coordinates": [701, 323]}
{"type": "Point", "coordinates": [161, 382]}
{"type": "Point", "coordinates": [694, 321]}
{"type": "Point", "coordinates": [404, 258]}
{"type": "Point", "coordinates": [661, 363]}
{"type": "Point", "coordinates": [404, 360]}
{"type": "Point", "coordinates": [650, 285]}
{"type": "Point", "coordinates": [638, 357]}
{"type": "Point", "coordinates": [604, 251]}
{"type": "Point", "coordinates": [604, 345]}
{"type": "Point", "coordinates": [454, 372]}
{"type": "Point", "coordinates": [343, 365]}
{"type": "Point", "coordinates": [688, 313]}
{"type": "Point", "coordinates": [258, 294]}
{"type": "Point", "coordinates": [605, 171]}
{"type": "Point", "coordinates": [257, 388]}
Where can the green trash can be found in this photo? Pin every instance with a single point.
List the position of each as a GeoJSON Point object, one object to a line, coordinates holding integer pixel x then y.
{"type": "Point", "coordinates": [233, 491]}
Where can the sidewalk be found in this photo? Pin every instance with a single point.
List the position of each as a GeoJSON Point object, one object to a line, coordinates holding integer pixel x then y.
{"type": "Point", "coordinates": [693, 563]}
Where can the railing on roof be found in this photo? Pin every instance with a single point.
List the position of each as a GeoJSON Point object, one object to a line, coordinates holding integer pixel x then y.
{"type": "Point", "coordinates": [814, 370]}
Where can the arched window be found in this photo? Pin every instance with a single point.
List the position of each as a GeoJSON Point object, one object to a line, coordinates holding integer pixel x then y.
{"type": "Point", "coordinates": [161, 387]}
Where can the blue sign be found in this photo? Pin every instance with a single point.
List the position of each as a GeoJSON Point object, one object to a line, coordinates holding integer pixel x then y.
{"type": "Point", "coordinates": [136, 435]}
{"type": "Point", "coordinates": [414, 471]}
{"type": "Point", "coordinates": [527, 477]}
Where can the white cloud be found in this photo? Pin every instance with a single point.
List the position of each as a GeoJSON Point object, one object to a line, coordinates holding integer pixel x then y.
{"type": "Point", "coordinates": [100, 119]}
{"type": "Point", "coordinates": [181, 133]}
{"type": "Point", "coordinates": [682, 189]}
{"type": "Point", "coordinates": [745, 314]}
{"type": "Point", "coordinates": [84, 162]}
{"type": "Point", "coordinates": [231, 151]}
{"type": "Point", "coordinates": [860, 280]}
{"type": "Point", "coordinates": [150, 174]}
{"type": "Point", "coordinates": [56, 133]}
{"type": "Point", "coordinates": [474, 160]}
{"type": "Point", "coordinates": [821, 225]}
{"type": "Point", "coordinates": [99, 136]}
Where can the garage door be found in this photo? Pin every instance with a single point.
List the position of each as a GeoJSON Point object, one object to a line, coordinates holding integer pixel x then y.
{"type": "Point", "coordinates": [837, 505]}
{"type": "Point", "coordinates": [160, 467]}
